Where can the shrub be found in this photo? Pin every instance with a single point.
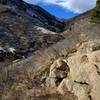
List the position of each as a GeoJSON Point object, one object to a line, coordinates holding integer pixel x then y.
{"type": "Point", "coordinates": [96, 13]}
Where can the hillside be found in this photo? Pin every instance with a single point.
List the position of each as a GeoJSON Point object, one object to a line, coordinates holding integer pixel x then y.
{"type": "Point", "coordinates": [24, 26]}
{"type": "Point", "coordinates": [63, 57]}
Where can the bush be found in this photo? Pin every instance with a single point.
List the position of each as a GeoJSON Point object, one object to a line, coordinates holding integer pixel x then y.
{"type": "Point", "coordinates": [96, 13]}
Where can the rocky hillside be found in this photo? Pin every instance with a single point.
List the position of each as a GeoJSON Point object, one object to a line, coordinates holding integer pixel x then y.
{"type": "Point", "coordinates": [79, 73]}
{"type": "Point", "coordinates": [65, 63]}
{"type": "Point", "coordinates": [24, 26]}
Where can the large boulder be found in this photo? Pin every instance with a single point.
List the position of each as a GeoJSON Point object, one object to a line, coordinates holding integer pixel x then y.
{"type": "Point", "coordinates": [84, 76]}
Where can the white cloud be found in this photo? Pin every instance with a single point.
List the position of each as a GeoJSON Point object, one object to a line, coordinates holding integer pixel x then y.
{"type": "Point", "coordinates": [77, 6]}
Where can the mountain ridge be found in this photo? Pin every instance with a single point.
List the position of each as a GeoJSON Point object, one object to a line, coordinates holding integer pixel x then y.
{"type": "Point", "coordinates": [27, 27]}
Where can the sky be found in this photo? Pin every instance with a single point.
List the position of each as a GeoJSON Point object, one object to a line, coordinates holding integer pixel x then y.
{"type": "Point", "coordinates": [65, 8]}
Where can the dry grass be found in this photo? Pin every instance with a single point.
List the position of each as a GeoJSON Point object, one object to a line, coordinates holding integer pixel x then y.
{"type": "Point", "coordinates": [22, 84]}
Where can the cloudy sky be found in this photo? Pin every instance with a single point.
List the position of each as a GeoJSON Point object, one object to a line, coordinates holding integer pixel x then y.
{"type": "Point", "coordinates": [65, 8]}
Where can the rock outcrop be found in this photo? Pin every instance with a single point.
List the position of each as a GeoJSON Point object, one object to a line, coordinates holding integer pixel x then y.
{"type": "Point", "coordinates": [79, 73]}
{"type": "Point", "coordinates": [84, 76]}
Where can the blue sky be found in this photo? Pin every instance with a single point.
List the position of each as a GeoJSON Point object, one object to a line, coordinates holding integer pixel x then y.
{"type": "Point", "coordinates": [65, 8]}
{"type": "Point", "coordinates": [59, 11]}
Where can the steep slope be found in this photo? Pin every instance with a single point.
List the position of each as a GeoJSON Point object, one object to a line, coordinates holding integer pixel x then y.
{"type": "Point", "coordinates": [76, 77]}
{"type": "Point", "coordinates": [80, 30]}
{"type": "Point", "coordinates": [24, 26]}
{"type": "Point", "coordinates": [47, 20]}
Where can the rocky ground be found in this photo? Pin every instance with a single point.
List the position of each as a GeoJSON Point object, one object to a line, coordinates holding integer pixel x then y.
{"type": "Point", "coordinates": [79, 73]}
{"type": "Point", "coordinates": [65, 59]}
{"type": "Point", "coordinates": [74, 77]}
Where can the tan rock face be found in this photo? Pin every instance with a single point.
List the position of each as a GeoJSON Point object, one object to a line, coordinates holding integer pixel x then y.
{"type": "Point", "coordinates": [84, 76]}
{"type": "Point", "coordinates": [58, 71]}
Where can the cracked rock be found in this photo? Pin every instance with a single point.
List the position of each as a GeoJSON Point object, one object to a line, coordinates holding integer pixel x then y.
{"type": "Point", "coordinates": [84, 77]}
{"type": "Point", "coordinates": [58, 71]}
